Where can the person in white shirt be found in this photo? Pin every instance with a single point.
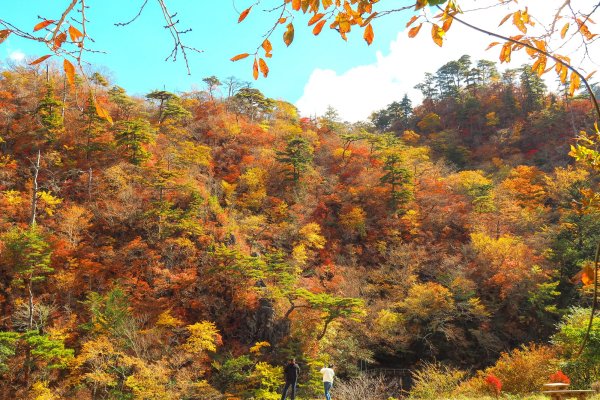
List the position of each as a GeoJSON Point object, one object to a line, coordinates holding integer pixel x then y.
{"type": "Point", "coordinates": [328, 375]}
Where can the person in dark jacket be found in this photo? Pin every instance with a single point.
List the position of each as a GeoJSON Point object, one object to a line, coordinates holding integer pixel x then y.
{"type": "Point", "coordinates": [290, 373]}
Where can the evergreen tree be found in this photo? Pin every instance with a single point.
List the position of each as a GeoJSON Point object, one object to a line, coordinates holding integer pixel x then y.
{"type": "Point", "coordinates": [533, 89]}
{"type": "Point", "coordinates": [28, 255]}
{"type": "Point", "coordinates": [297, 155]}
{"type": "Point", "coordinates": [398, 178]}
{"type": "Point", "coordinates": [125, 104]}
{"type": "Point", "coordinates": [132, 136]}
{"type": "Point", "coordinates": [50, 115]}
{"type": "Point", "coordinates": [94, 126]}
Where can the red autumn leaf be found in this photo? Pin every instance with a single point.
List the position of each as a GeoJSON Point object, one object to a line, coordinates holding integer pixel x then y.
{"type": "Point", "coordinates": [244, 14]}
{"type": "Point", "coordinates": [59, 40]}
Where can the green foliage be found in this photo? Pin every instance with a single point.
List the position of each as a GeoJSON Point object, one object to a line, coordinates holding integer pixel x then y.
{"type": "Point", "coordinates": [233, 373]}
{"type": "Point", "coordinates": [175, 111]}
{"type": "Point", "coordinates": [51, 351]}
{"type": "Point", "coordinates": [28, 254]}
{"type": "Point", "coordinates": [297, 157]}
{"type": "Point", "coordinates": [584, 368]}
{"type": "Point", "coordinates": [132, 136]}
{"type": "Point", "coordinates": [252, 103]}
{"type": "Point", "coordinates": [396, 116]}
{"type": "Point", "coordinates": [94, 127]}
{"type": "Point", "coordinates": [109, 313]}
{"type": "Point", "coordinates": [399, 178]}
{"type": "Point", "coordinates": [543, 298]}
{"type": "Point", "coordinates": [119, 97]}
{"type": "Point", "coordinates": [534, 90]}
{"type": "Point", "coordinates": [8, 343]}
{"type": "Point", "coordinates": [49, 111]}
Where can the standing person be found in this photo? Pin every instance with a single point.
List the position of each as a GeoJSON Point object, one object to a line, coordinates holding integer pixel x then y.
{"type": "Point", "coordinates": [290, 373]}
{"type": "Point", "coordinates": [328, 375]}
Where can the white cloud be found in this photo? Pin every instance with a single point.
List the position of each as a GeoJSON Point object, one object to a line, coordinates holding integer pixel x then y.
{"type": "Point", "coordinates": [17, 55]}
{"type": "Point", "coordinates": [366, 88]}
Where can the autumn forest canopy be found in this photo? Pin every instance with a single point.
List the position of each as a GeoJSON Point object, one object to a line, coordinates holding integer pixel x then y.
{"type": "Point", "coordinates": [185, 245]}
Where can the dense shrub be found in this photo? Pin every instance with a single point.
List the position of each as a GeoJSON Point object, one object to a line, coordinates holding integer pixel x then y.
{"type": "Point", "coordinates": [435, 381]}
{"type": "Point", "coordinates": [521, 371]}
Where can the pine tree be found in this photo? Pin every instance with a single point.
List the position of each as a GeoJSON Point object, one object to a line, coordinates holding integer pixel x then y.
{"type": "Point", "coordinates": [298, 155]}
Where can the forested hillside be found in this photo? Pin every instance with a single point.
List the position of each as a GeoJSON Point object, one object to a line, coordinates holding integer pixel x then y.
{"type": "Point", "coordinates": [186, 244]}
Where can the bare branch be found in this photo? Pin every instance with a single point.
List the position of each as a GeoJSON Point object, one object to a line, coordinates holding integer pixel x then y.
{"type": "Point", "coordinates": [134, 18]}
{"type": "Point", "coordinates": [176, 35]}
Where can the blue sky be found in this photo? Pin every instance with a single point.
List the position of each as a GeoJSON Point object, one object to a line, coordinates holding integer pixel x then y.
{"type": "Point", "coordinates": [135, 54]}
{"type": "Point", "coordinates": [312, 73]}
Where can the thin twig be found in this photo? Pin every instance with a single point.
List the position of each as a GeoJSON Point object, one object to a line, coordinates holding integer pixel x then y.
{"type": "Point", "coordinates": [134, 18]}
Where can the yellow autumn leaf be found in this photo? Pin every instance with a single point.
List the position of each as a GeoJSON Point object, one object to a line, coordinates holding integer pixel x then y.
{"type": "Point", "coordinates": [69, 71]}
{"type": "Point", "coordinates": [239, 56]}
{"type": "Point", "coordinates": [74, 33]}
{"type": "Point", "coordinates": [263, 67]}
{"type": "Point", "coordinates": [564, 30]}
